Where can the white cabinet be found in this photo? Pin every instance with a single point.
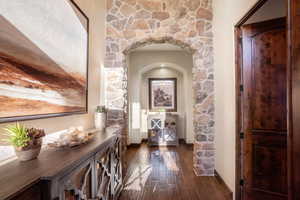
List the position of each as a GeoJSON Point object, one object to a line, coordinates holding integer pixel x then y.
{"type": "Point", "coordinates": [162, 129]}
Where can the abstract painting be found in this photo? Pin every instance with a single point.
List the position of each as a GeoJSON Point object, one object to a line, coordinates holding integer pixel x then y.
{"type": "Point", "coordinates": [43, 59]}
{"type": "Point", "coordinates": [162, 94]}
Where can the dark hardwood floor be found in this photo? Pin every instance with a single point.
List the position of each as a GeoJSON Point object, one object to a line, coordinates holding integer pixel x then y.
{"type": "Point", "coordinates": [163, 173]}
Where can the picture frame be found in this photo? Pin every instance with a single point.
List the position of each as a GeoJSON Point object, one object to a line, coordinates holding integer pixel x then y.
{"type": "Point", "coordinates": [163, 94]}
{"type": "Point", "coordinates": [53, 81]}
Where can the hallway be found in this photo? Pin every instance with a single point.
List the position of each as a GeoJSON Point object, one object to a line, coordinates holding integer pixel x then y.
{"type": "Point", "coordinates": [164, 173]}
{"type": "Point", "coordinates": [150, 100]}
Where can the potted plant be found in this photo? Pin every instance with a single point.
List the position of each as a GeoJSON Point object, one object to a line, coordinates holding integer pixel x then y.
{"type": "Point", "coordinates": [26, 141]}
{"type": "Point", "coordinates": [100, 117]}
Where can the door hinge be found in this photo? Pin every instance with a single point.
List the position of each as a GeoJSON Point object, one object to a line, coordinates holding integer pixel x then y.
{"type": "Point", "coordinates": [242, 182]}
{"type": "Point", "coordinates": [242, 135]}
{"type": "Point", "coordinates": [242, 88]}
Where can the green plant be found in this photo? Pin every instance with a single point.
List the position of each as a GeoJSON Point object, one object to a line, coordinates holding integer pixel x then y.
{"type": "Point", "coordinates": [162, 110]}
{"type": "Point", "coordinates": [17, 135]}
{"type": "Point", "coordinates": [100, 109]}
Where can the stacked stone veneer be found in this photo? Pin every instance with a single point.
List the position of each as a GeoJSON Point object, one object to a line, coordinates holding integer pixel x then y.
{"type": "Point", "coordinates": [186, 23]}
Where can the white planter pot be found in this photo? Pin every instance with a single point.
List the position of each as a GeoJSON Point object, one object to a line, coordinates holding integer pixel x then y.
{"type": "Point", "coordinates": [100, 120]}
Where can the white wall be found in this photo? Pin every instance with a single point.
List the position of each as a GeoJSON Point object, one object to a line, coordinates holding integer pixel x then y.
{"type": "Point", "coordinates": [95, 10]}
{"type": "Point", "coordinates": [139, 61]}
{"type": "Point", "coordinates": [226, 14]}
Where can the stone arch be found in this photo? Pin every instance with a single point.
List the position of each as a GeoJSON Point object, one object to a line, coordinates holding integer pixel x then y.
{"type": "Point", "coordinates": [203, 93]}
{"type": "Point", "coordinates": [160, 40]}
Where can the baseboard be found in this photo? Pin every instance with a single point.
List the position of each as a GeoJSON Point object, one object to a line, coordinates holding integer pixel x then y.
{"type": "Point", "coordinates": [144, 140]}
{"type": "Point", "coordinates": [183, 141]}
{"type": "Point", "coordinates": [137, 144]}
{"type": "Point", "coordinates": [134, 145]}
{"type": "Point", "coordinates": [222, 182]}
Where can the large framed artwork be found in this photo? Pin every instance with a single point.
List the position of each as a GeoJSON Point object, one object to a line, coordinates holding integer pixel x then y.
{"type": "Point", "coordinates": [43, 59]}
{"type": "Point", "coordinates": [163, 94]}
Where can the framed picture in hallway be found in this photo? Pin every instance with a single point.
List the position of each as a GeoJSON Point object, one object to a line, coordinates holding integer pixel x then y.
{"type": "Point", "coordinates": [43, 59]}
{"type": "Point", "coordinates": [163, 94]}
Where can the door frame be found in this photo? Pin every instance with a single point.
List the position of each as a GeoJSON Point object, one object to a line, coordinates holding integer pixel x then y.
{"type": "Point", "coordinates": [238, 98]}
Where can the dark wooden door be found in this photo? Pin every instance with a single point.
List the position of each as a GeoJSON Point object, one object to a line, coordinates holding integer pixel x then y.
{"type": "Point", "coordinates": [294, 98]}
{"type": "Point", "coordinates": [264, 147]}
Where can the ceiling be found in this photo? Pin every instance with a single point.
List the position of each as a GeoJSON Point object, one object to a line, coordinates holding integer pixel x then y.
{"type": "Point", "coordinates": [270, 10]}
{"type": "Point", "coordinates": [159, 47]}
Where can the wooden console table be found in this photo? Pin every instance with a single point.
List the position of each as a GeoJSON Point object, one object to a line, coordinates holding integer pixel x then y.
{"type": "Point", "coordinates": [91, 171]}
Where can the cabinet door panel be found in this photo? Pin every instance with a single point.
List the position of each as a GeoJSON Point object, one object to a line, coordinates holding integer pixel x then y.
{"type": "Point", "coordinates": [33, 192]}
{"type": "Point", "coordinates": [117, 168]}
{"type": "Point", "coordinates": [78, 184]}
{"type": "Point", "coordinates": [103, 175]}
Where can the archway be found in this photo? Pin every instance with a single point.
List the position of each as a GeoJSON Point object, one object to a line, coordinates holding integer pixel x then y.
{"type": "Point", "coordinates": [138, 91]}
{"type": "Point", "coordinates": [203, 94]}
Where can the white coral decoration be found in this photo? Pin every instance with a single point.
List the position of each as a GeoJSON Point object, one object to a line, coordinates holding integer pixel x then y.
{"type": "Point", "coordinates": [73, 137]}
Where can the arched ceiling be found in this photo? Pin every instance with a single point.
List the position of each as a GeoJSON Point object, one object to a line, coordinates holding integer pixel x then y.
{"type": "Point", "coordinates": [159, 47]}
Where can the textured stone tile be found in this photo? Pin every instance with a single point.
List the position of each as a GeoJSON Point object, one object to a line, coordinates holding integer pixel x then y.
{"type": "Point", "coordinates": [143, 14]}
{"type": "Point", "coordinates": [201, 138]}
{"type": "Point", "coordinates": [140, 24]}
{"type": "Point", "coordinates": [130, 2]}
{"type": "Point", "coordinates": [150, 5]}
{"type": "Point", "coordinates": [127, 10]}
{"type": "Point", "coordinates": [200, 27]}
{"type": "Point", "coordinates": [192, 4]}
{"type": "Point", "coordinates": [110, 18]}
{"type": "Point", "coordinates": [119, 24]}
{"type": "Point", "coordinates": [160, 15]}
{"type": "Point", "coordinates": [203, 13]}
{"type": "Point", "coordinates": [128, 34]}
{"type": "Point", "coordinates": [181, 13]}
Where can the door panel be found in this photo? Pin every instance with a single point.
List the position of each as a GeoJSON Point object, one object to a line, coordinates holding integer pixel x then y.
{"type": "Point", "coordinates": [264, 150]}
{"type": "Point", "coordinates": [269, 81]}
{"type": "Point", "coordinates": [269, 163]}
{"type": "Point", "coordinates": [294, 97]}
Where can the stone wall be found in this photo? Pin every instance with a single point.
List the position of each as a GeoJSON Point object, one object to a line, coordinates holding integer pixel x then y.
{"type": "Point", "coordinates": [186, 23]}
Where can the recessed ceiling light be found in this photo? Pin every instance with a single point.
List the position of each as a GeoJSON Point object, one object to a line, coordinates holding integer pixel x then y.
{"type": "Point", "coordinates": [162, 65]}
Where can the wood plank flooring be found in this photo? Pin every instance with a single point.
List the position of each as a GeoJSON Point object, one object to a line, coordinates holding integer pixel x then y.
{"type": "Point", "coordinates": [163, 173]}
